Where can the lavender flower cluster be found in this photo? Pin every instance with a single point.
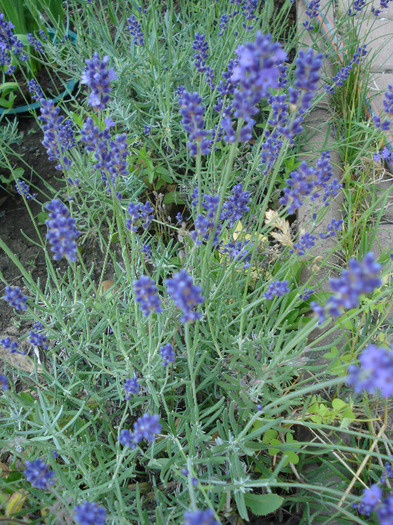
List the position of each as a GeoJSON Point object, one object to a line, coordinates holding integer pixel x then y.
{"type": "Point", "coordinates": [139, 211]}
{"type": "Point", "coordinates": [23, 189]}
{"type": "Point", "coordinates": [167, 353]}
{"type": "Point", "coordinates": [343, 74]}
{"type": "Point", "coordinates": [145, 292]}
{"type": "Point", "coordinates": [38, 474]}
{"type": "Point", "coordinates": [192, 112]}
{"type": "Point", "coordinates": [310, 182]}
{"type": "Point", "coordinates": [131, 386]}
{"type": "Point", "coordinates": [276, 289]}
{"type": "Point", "coordinates": [373, 500]}
{"type": "Point", "coordinates": [145, 427]}
{"type": "Point", "coordinates": [89, 513]}
{"type": "Point", "coordinates": [58, 135]}
{"type": "Point", "coordinates": [360, 278]}
{"type": "Point", "coordinates": [37, 338]}
{"type": "Point", "coordinates": [62, 231]}
{"type": "Point", "coordinates": [201, 47]}
{"type": "Point", "coordinates": [98, 77]}
{"type": "Point", "coordinates": [9, 44]}
{"type": "Point", "coordinates": [375, 371]}
{"type": "Point", "coordinates": [200, 517]}
{"type": "Point", "coordinates": [135, 30]}
{"type": "Point", "coordinates": [15, 298]}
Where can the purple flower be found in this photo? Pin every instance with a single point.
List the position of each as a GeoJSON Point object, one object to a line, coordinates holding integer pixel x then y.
{"type": "Point", "coordinates": [345, 71]}
{"type": "Point", "coordinates": [223, 24]}
{"type": "Point", "coordinates": [257, 72]}
{"type": "Point", "coordinates": [147, 130]}
{"type": "Point", "coordinates": [9, 43]}
{"type": "Point", "coordinates": [146, 249]}
{"type": "Point", "coordinates": [307, 76]}
{"type": "Point", "coordinates": [357, 7]}
{"type": "Point", "coordinates": [238, 251]}
{"type": "Point", "coordinates": [58, 135]}
{"type": "Point", "coordinates": [332, 228]}
{"type": "Point", "coordinates": [35, 89]}
{"type": "Point", "coordinates": [167, 354]}
{"type": "Point", "coordinates": [131, 386]}
{"type": "Point", "coordinates": [35, 43]}
{"type": "Point", "coordinates": [62, 231]}
{"type": "Point", "coordinates": [388, 100]}
{"type": "Point", "coordinates": [3, 382]}
{"type": "Point", "coordinates": [236, 205]}
{"type": "Point", "coordinates": [135, 29]}
{"type": "Point", "coordinates": [201, 47]}
{"type": "Point", "coordinates": [137, 211]}
{"type": "Point", "coordinates": [15, 298]}
{"type": "Point", "coordinates": [23, 189]}
{"type": "Point", "coordinates": [306, 242]}
{"type": "Point", "coordinates": [11, 346]}
{"type": "Point", "coordinates": [89, 514]}
{"type": "Point", "coordinates": [307, 293]}
{"type": "Point", "coordinates": [145, 292]}
{"type": "Point", "coordinates": [55, 454]}
{"type": "Point", "coordinates": [360, 278]}
{"type": "Point", "coordinates": [38, 474]}
{"type": "Point", "coordinates": [98, 77]}
{"type": "Point", "coordinates": [204, 226]}
{"type": "Point", "coordinates": [312, 12]}
{"type": "Point", "coordinates": [276, 289]}
{"type": "Point", "coordinates": [179, 217]}
{"type": "Point", "coordinates": [36, 338]}
{"type": "Point", "coordinates": [375, 371]}
{"type": "Point", "coordinates": [185, 295]}
{"type": "Point", "coordinates": [145, 427]}
{"type": "Point", "coordinates": [371, 498]}
{"type": "Point", "coordinates": [192, 112]}
{"type": "Point", "coordinates": [200, 517]}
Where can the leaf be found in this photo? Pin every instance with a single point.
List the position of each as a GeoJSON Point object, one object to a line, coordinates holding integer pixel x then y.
{"type": "Point", "coordinates": [173, 196]}
{"type": "Point", "coordinates": [263, 504]}
{"type": "Point", "coordinates": [15, 503]}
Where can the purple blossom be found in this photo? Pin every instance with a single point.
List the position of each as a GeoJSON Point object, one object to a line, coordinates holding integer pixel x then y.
{"type": "Point", "coordinates": [135, 30]}
{"type": "Point", "coordinates": [248, 8]}
{"type": "Point", "coordinates": [145, 427]}
{"type": "Point", "coordinates": [276, 289]}
{"type": "Point", "coordinates": [145, 292]}
{"type": "Point", "coordinates": [88, 513]}
{"type": "Point", "coordinates": [306, 242]}
{"type": "Point", "coordinates": [200, 517]}
{"type": "Point", "coordinates": [204, 226]}
{"type": "Point", "coordinates": [35, 43]}
{"type": "Point", "coordinates": [388, 100]}
{"type": "Point", "coordinates": [11, 346]}
{"type": "Point", "coordinates": [345, 71]}
{"type": "Point", "coordinates": [98, 77]}
{"type": "Point", "coordinates": [236, 205]}
{"type": "Point", "coordinates": [179, 217]}
{"type": "Point", "coordinates": [9, 43]}
{"type": "Point", "coordinates": [307, 77]}
{"type": "Point", "coordinates": [270, 149]}
{"type": "Point", "coordinates": [62, 231]}
{"type": "Point", "coordinates": [58, 135]}
{"type": "Point", "coordinates": [360, 278]}
{"type": "Point", "coordinates": [371, 498]}
{"type": "Point", "coordinates": [306, 294]}
{"type": "Point", "coordinates": [332, 228]}
{"type": "Point", "coordinates": [147, 130]}
{"type": "Point", "coordinates": [3, 382]}
{"type": "Point", "coordinates": [185, 295]}
{"type": "Point", "coordinates": [23, 189]}
{"type": "Point", "coordinates": [257, 72]}
{"type": "Point", "coordinates": [223, 24]}
{"type": "Point", "coordinates": [238, 251]}
{"type": "Point", "coordinates": [201, 47]}
{"type": "Point", "coordinates": [15, 298]}
{"type": "Point", "coordinates": [35, 89]}
{"type": "Point", "coordinates": [375, 371]}
{"type": "Point", "coordinates": [167, 354]}
{"type": "Point", "coordinates": [131, 386]}
{"type": "Point", "coordinates": [192, 112]}
{"type": "Point", "coordinates": [312, 11]}
{"type": "Point", "coordinates": [37, 338]}
{"type": "Point", "coordinates": [146, 250]}
{"type": "Point", "coordinates": [357, 7]}
{"type": "Point", "coordinates": [38, 474]}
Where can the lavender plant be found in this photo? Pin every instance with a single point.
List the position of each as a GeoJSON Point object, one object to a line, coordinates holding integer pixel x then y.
{"type": "Point", "coordinates": [179, 395]}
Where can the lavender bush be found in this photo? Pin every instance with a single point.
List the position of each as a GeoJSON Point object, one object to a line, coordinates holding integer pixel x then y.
{"type": "Point", "coordinates": [176, 380]}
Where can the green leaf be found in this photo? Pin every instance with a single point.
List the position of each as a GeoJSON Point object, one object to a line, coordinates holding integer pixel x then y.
{"type": "Point", "coordinates": [263, 504]}
{"type": "Point", "coordinates": [41, 217]}
{"type": "Point", "coordinates": [173, 196]}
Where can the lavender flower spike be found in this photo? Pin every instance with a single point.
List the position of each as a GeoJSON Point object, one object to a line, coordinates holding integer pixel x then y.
{"type": "Point", "coordinates": [200, 517]}
{"type": "Point", "coordinates": [15, 298]}
{"type": "Point", "coordinates": [98, 77]}
{"type": "Point", "coordinates": [375, 371]}
{"type": "Point", "coordinates": [89, 513]}
{"type": "Point", "coordinates": [185, 295]}
{"type": "Point", "coordinates": [192, 112]}
{"type": "Point", "coordinates": [62, 231]}
{"type": "Point", "coordinates": [146, 295]}
{"type": "Point", "coordinates": [38, 473]}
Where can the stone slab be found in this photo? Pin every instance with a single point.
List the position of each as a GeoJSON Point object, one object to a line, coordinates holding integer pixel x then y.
{"type": "Point", "coordinates": [378, 84]}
